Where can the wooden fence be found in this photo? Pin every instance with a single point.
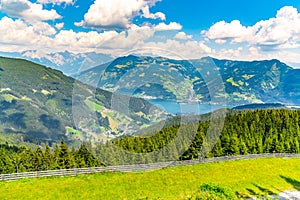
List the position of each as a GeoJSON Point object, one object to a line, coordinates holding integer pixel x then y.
{"type": "Point", "coordinates": [135, 168]}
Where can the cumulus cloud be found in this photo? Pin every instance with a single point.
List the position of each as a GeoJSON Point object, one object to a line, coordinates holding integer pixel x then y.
{"type": "Point", "coordinates": [43, 28]}
{"type": "Point", "coordinates": [222, 30]}
{"type": "Point", "coordinates": [26, 10]}
{"type": "Point", "coordinates": [129, 39]}
{"type": "Point", "coordinates": [183, 36]}
{"type": "Point", "coordinates": [230, 53]}
{"type": "Point", "coordinates": [59, 25]}
{"type": "Point", "coordinates": [147, 14]}
{"type": "Point", "coordinates": [117, 14]}
{"type": "Point", "coordinates": [280, 32]}
{"type": "Point", "coordinates": [168, 27]}
{"type": "Point", "coordinates": [16, 35]}
{"type": "Point", "coordinates": [220, 41]}
{"type": "Point", "coordinates": [254, 51]}
{"type": "Point", "coordinates": [35, 54]}
{"type": "Point", "coordinates": [178, 50]}
{"type": "Point", "coordinates": [56, 2]}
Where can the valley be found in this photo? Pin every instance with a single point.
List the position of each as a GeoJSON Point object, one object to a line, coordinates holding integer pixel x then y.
{"type": "Point", "coordinates": [149, 99]}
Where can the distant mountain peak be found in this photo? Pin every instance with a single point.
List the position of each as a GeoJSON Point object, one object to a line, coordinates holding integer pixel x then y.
{"type": "Point", "coordinates": [68, 62]}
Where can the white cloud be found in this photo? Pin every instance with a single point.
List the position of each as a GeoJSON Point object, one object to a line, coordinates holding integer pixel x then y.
{"type": "Point", "coordinates": [220, 41]}
{"type": "Point", "coordinates": [229, 53]}
{"type": "Point", "coordinates": [224, 31]}
{"type": "Point", "coordinates": [34, 54]}
{"type": "Point", "coordinates": [183, 36]}
{"type": "Point", "coordinates": [26, 10]}
{"type": "Point", "coordinates": [83, 41]}
{"type": "Point", "coordinates": [254, 51]}
{"type": "Point", "coordinates": [16, 35]}
{"type": "Point", "coordinates": [167, 27]}
{"type": "Point", "coordinates": [147, 14]}
{"type": "Point", "coordinates": [117, 14]}
{"type": "Point", "coordinates": [285, 56]}
{"type": "Point", "coordinates": [59, 25]}
{"type": "Point", "coordinates": [19, 36]}
{"type": "Point", "coordinates": [177, 50]}
{"type": "Point", "coordinates": [281, 32]}
{"type": "Point", "coordinates": [43, 28]}
{"type": "Point", "coordinates": [127, 40]}
{"type": "Point", "coordinates": [56, 2]}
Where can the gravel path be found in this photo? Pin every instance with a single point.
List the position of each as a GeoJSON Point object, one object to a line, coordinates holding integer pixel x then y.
{"type": "Point", "coordinates": [289, 195]}
{"type": "Point", "coordinates": [295, 195]}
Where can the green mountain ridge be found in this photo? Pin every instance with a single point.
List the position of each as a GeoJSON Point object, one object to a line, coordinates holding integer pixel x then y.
{"type": "Point", "coordinates": [39, 105]}
{"type": "Point", "coordinates": [205, 80]}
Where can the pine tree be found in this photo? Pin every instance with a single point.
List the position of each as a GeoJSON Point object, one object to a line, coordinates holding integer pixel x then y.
{"type": "Point", "coordinates": [48, 158]}
{"type": "Point", "coordinates": [16, 161]}
{"type": "Point", "coordinates": [38, 159]}
{"type": "Point", "coordinates": [56, 158]}
{"type": "Point", "coordinates": [6, 165]}
{"type": "Point", "coordinates": [65, 160]}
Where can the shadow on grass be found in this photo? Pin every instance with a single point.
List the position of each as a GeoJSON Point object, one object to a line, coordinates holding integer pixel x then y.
{"type": "Point", "coordinates": [251, 192]}
{"type": "Point", "coordinates": [293, 182]}
{"type": "Point", "coordinates": [264, 190]}
{"type": "Point", "coordinates": [261, 193]}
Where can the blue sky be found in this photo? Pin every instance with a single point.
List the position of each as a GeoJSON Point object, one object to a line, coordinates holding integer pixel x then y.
{"type": "Point", "coordinates": [201, 14]}
{"type": "Point", "coordinates": [233, 29]}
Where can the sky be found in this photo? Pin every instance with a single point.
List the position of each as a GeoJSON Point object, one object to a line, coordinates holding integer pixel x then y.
{"type": "Point", "coordinates": [191, 29]}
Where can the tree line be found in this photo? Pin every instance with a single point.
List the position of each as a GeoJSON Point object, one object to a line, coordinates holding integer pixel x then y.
{"type": "Point", "coordinates": [244, 132]}
{"type": "Point", "coordinates": [22, 159]}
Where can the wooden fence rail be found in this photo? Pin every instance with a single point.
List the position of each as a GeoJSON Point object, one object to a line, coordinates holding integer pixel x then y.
{"type": "Point", "coordinates": [135, 168]}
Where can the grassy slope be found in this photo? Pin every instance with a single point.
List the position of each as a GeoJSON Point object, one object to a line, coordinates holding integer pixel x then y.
{"type": "Point", "coordinates": [246, 177]}
{"type": "Point", "coordinates": [37, 103]}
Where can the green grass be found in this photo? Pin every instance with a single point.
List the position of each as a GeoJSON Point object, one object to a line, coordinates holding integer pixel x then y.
{"type": "Point", "coordinates": [93, 106]}
{"type": "Point", "coordinates": [245, 178]}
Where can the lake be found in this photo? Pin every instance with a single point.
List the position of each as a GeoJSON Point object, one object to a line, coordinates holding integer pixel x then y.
{"type": "Point", "coordinates": [185, 108]}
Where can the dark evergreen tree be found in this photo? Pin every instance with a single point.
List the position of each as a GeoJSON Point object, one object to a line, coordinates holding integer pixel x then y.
{"type": "Point", "coordinates": [65, 160]}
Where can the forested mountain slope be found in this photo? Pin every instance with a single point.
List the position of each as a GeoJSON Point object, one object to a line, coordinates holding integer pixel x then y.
{"type": "Point", "coordinates": [39, 104]}
{"type": "Point", "coordinates": [202, 80]}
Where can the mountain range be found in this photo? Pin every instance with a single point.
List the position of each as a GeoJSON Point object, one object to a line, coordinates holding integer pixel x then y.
{"type": "Point", "coordinates": [39, 104]}
{"type": "Point", "coordinates": [205, 80]}
{"type": "Point", "coordinates": [67, 62]}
